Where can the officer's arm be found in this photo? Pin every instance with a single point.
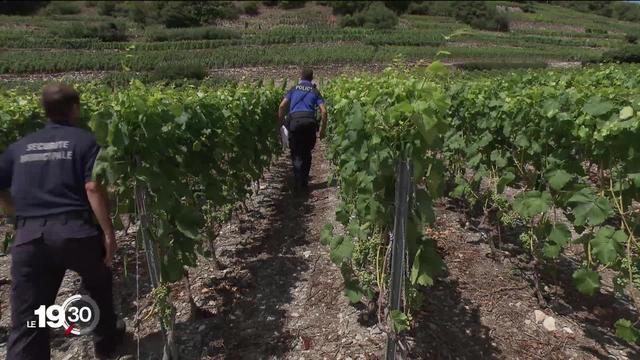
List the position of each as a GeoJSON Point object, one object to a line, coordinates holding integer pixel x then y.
{"type": "Point", "coordinates": [99, 202]}
{"type": "Point", "coordinates": [282, 110]}
{"type": "Point", "coordinates": [6, 172]}
{"type": "Point", "coordinates": [323, 113]}
{"type": "Point", "coordinates": [6, 203]}
{"type": "Point", "coordinates": [100, 205]}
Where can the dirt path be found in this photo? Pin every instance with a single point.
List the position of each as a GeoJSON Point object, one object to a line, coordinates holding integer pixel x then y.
{"type": "Point", "coordinates": [278, 296]}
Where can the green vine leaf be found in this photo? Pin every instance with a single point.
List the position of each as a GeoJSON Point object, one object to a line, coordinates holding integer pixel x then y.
{"type": "Point", "coordinates": [558, 238]}
{"type": "Point", "coordinates": [558, 179]}
{"type": "Point", "coordinates": [586, 281]}
{"type": "Point", "coordinates": [326, 234]}
{"type": "Point", "coordinates": [532, 203]}
{"type": "Point", "coordinates": [626, 331]}
{"type": "Point", "coordinates": [506, 179]}
{"type": "Point", "coordinates": [626, 113]}
{"type": "Point", "coordinates": [399, 321]}
{"type": "Point", "coordinates": [589, 208]}
{"type": "Point", "coordinates": [341, 249]}
{"type": "Point", "coordinates": [595, 106]}
{"type": "Point", "coordinates": [426, 264]}
{"type": "Point", "coordinates": [608, 244]}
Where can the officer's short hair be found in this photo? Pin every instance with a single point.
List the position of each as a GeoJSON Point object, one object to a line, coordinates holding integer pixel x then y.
{"type": "Point", "coordinates": [58, 101]}
{"type": "Point", "coordinates": [307, 74]}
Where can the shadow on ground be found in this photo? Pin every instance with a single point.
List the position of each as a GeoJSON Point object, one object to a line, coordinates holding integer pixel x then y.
{"type": "Point", "coordinates": [449, 327]}
{"type": "Point", "coordinates": [251, 313]}
{"type": "Point", "coordinates": [598, 313]}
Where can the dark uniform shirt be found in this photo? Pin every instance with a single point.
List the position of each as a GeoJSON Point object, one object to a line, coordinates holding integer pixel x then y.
{"type": "Point", "coordinates": [48, 169]}
{"type": "Point", "coordinates": [304, 97]}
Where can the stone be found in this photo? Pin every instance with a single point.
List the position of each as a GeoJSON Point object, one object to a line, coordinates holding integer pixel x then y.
{"type": "Point", "coordinates": [549, 324]}
{"type": "Point", "coordinates": [527, 322]}
{"type": "Point", "coordinates": [567, 330]}
{"type": "Point", "coordinates": [539, 316]}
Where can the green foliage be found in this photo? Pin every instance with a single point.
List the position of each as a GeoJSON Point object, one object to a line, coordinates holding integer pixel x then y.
{"type": "Point", "coordinates": [588, 208]}
{"type": "Point", "coordinates": [107, 8]}
{"type": "Point", "coordinates": [107, 31]}
{"type": "Point", "coordinates": [621, 10]}
{"type": "Point", "coordinates": [540, 129]}
{"type": "Point", "coordinates": [377, 121]}
{"type": "Point", "coordinates": [250, 8]}
{"type": "Point", "coordinates": [198, 33]}
{"type": "Point", "coordinates": [532, 203]}
{"type": "Point", "coordinates": [62, 8]}
{"type": "Point", "coordinates": [295, 4]}
{"type": "Point", "coordinates": [140, 12]}
{"type": "Point", "coordinates": [587, 281]}
{"type": "Point", "coordinates": [480, 15]}
{"type": "Point", "coordinates": [178, 71]}
{"type": "Point", "coordinates": [422, 8]}
{"type": "Point", "coordinates": [399, 321]}
{"type": "Point", "coordinates": [162, 305]}
{"type": "Point", "coordinates": [626, 330]}
{"type": "Point", "coordinates": [190, 147]}
{"type": "Point", "coordinates": [347, 7]}
{"type": "Point", "coordinates": [499, 65]}
{"type": "Point", "coordinates": [608, 245]}
{"type": "Point", "coordinates": [179, 15]}
{"type": "Point", "coordinates": [195, 13]}
{"type": "Point", "coordinates": [375, 16]}
{"type": "Point", "coordinates": [595, 31]}
{"type": "Point", "coordinates": [626, 54]}
{"type": "Point", "coordinates": [399, 7]}
{"type": "Point", "coordinates": [631, 38]}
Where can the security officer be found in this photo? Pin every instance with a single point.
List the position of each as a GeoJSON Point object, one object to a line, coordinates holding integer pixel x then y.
{"type": "Point", "coordinates": [54, 199]}
{"type": "Point", "coordinates": [302, 101]}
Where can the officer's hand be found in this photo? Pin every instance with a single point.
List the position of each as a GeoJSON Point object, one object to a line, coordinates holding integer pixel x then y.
{"type": "Point", "coordinates": [110, 247]}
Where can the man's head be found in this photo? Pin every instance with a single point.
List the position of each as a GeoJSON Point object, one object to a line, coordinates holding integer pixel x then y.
{"type": "Point", "coordinates": [61, 104]}
{"type": "Point", "coordinates": [307, 74]}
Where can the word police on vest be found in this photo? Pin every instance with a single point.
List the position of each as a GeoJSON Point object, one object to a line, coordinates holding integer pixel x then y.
{"type": "Point", "coordinates": [46, 156]}
{"type": "Point", "coordinates": [305, 88]}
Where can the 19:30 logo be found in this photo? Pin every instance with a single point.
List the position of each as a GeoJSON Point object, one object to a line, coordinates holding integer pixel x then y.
{"type": "Point", "coordinates": [78, 315]}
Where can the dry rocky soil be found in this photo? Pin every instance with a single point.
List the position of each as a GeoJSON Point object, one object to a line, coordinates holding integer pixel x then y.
{"type": "Point", "coordinates": [278, 296]}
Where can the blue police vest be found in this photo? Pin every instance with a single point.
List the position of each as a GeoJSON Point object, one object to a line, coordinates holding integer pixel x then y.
{"type": "Point", "coordinates": [304, 97]}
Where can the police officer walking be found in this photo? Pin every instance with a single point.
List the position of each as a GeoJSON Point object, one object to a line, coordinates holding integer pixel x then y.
{"type": "Point", "coordinates": [51, 192]}
{"type": "Point", "coordinates": [302, 101]}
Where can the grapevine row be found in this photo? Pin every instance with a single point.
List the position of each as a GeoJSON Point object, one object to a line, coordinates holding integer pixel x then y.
{"type": "Point", "coordinates": [377, 120]}
{"type": "Point", "coordinates": [564, 142]}
{"type": "Point", "coordinates": [196, 150]}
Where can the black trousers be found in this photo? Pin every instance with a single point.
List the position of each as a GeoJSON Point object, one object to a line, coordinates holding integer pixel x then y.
{"type": "Point", "coordinates": [40, 256]}
{"type": "Point", "coordinates": [302, 140]}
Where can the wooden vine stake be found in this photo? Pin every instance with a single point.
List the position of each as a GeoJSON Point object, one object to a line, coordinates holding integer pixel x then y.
{"type": "Point", "coordinates": [170, 351]}
{"type": "Point", "coordinates": [403, 192]}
